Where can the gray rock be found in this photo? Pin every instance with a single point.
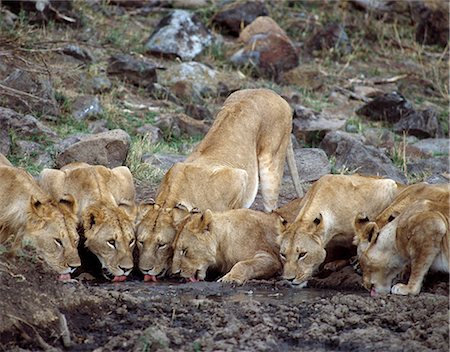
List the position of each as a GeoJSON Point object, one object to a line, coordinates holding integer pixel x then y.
{"type": "Point", "coordinates": [85, 107]}
{"type": "Point", "coordinates": [25, 125]}
{"type": "Point", "coordinates": [422, 124]}
{"type": "Point", "coordinates": [435, 179]}
{"type": "Point", "coordinates": [151, 132]}
{"type": "Point", "coordinates": [333, 36]}
{"type": "Point", "coordinates": [353, 155]}
{"type": "Point", "coordinates": [108, 148]}
{"type": "Point", "coordinates": [430, 166]}
{"type": "Point", "coordinates": [35, 152]}
{"type": "Point", "coordinates": [152, 339]}
{"type": "Point", "coordinates": [312, 163]}
{"type": "Point", "coordinates": [5, 141]}
{"type": "Point", "coordinates": [180, 34]}
{"type": "Point", "coordinates": [390, 107]}
{"type": "Point", "coordinates": [434, 145]}
{"type": "Point", "coordinates": [78, 53]}
{"type": "Point", "coordinates": [98, 126]}
{"type": "Point", "coordinates": [163, 161]}
{"type": "Point", "coordinates": [141, 73]}
{"type": "Point", "coordinates": [100, 84]}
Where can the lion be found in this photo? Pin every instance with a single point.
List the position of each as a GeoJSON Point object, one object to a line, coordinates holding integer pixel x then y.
{"type": "Point", "coordinates": [327, 213]}
{"type": "Point", "coordinates": [106, 211]}
{"type": "Point", "coordinates": [4, 161]}
{"type": "Point", "coordinates": [364, 227]}
{"type": "Point", "coordinates": [240, 243]}
{"type": "Point", "coordinates": [28, 216]}
{"type": "Point", "coordinates": [419, 237]}
{"type": "Point", "coordinates": [245, 149]}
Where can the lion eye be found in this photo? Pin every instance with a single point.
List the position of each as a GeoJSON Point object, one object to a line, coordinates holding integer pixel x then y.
{"type": "Point", "coordinates": [111, 243]}
{"type": "Point", "coordinates": [302, 255]}
{"type": "Point", "coordinates": [58, 242]}
{"type": "Point", "coordinates": [132, 242]}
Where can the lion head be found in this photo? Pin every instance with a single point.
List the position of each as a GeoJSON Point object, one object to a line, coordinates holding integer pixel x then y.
{"type": "Point", "coordinates": [193, 248]}
{"type": "Point", "coordinates": [52, 230]}
{"type": "Point", "coordinates": [109, 234]}
{"type": "Point", "coordinates": [378, 262]}
{"type": "Point", "coordinates": [155, 234]}
{"type": "Point", "coordinates": [301, 249]}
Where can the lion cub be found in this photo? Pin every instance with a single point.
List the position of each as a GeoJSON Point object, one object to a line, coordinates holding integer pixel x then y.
{"type": "Point", "coordinates": [28, 215]}
{"type": "Point", "coordinates": [418, 237]}
{"type": "Point", "coordinates": [106, 211]}
{"type": "Point", "coordinates": [245, 149]}
{"type": "Point", "coordinates": [239, 243]}
{"type": "Point", "coordinates": [327, 213]}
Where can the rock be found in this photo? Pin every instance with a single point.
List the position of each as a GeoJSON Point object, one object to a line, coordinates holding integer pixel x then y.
{"type": "Point", "coordinates": [167, 123]}
{"type": "Point", "coordinates": [434, 146]}
{"type": "Point", "coordinates": [307, 124]}
{"type": "Point", "coordinates": [78, 53]}
{"type": "Point", "coordinates": [269, 54]}
{"type": "Point", "coordinates": [430, 166]}
{"type": "Point", "coordinates": [232, 17]}
{"type": "Point", "coordinates": [152, 339]}
{"type": "Point", "coordinates": [333, 36]}
{"type": "Point", "coordinates": [312, 163]}
{"type": "Point", "coordinates": [262, 24]}
{"type": "Point", "coordinates": [353, 155]}
{"type": "Point", "coordinates": [180, 34]}
{"type": "Point", "coordinates": [198, 112]}
{"type": "Point", "coordinates": [433, 26]}
{"type": "Point", "coordinates": [140, 73]}
{"type": "Point", "coordinates": [190, 126]}
{"type": "Point", "coordinates": [309, 78]}
{"type": "Point", "coordinates": [100, 84]}
{"type": "Point", "coordinates": [85, 107]}
{"type": "Point", "coordinates": [25, 125]}
{"type": "Point", "coordinates": [435, 179]}
{"type": "Point", "coordinates": [98, 126]}
{"type": "Point", "coordinates": [108, 148]}
{"type": "Point", "coordinates": [189, 4]}
{"type": "Point", "coordinates": [152, 133]}
{"type": "Point", "coordinates": [422, 124]}
{"type": "Point", "coordinates": [5, 141]}
{"type": "Point", "coordinates": [390, 107]}
{"type": "Point", "coordinates": [23, 84]}
{"type": "Point", "coordinates": [163, 161]}
{"type": "Point", "coordinates": [34, 152]}
{"type": "Point", "coordinates": [367, 91]}
{"type": "Point", "coordinates": [193, 81]}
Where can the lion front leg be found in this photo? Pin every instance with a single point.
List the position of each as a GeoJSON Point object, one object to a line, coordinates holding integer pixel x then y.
{"type": "Point", "coordinates": [262, 265]}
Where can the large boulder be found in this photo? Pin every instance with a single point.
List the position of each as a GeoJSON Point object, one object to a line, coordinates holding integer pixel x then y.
{"type": "Point", "coordinates": [180, 34]}
{"type": "Point", "coordinates": [422, 124]}
{"type": "Point", "coordinates": [108, 148]}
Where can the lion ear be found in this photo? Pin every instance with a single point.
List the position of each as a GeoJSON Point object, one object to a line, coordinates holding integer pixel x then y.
{"type": "Point", "coordinates": [206, 219]}
{"type": "Point", "coordinates": [36, 206]}
{"type": "Point", "coordinates": [92, 216]}
{"type": "Point", "coordinates": [179, 213]}
{"type": "Point", "coordinates": [368, 232]}
{"type": "Point", "coordinates": [69, 202]}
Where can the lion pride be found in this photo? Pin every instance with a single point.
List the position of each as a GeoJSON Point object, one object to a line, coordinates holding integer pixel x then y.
{"type": "Point", "coordinates": [106, 211]}
{"type": "Point", "coordinates": [245, 149]}
{"type": "Point", "coordinates": [28, 215]}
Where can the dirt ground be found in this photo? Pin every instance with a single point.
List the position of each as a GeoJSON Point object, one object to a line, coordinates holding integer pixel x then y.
{"type": "Point", "coordinates": [333, 314]}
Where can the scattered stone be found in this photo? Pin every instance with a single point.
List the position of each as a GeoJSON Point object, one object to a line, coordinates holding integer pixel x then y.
{"type": "Point", "coordinates": [163, 161]}
{"type": "Point", "coordinates": [308, 78]}
{"type": "Point", "coordinates": [152, 133]}
{"type": "Point", "coordinates": [312, 163]}
{"type": "Point", "coordinates": [190, 126]}
{"type": "Point", "coordinates": [100, 84]}
{"type": "Point", "coordinates": [435, 179]}
{"type": "Point", "coordinates": [194, 81]}
{"type": "Point", "coordinates": [309, 124]}
{"type": "Point", "coordinates": [352, 155]}
{"type": "Point", "coordinates": [422, 124]}
{"type": "Point", "coordinates": [35, 152]}
{"type": "Point", "coordinates": [140, 73]}
{"type": "Point", "coordinates": [108, 148]}
{"type": "Point", "coordinates": [25, 125]}
{"type": "Point", "coordinates": [433, 26]}
{"type": "Point", "coordinates": [85, 107]}
{"type": "Point", "coordinates": [234, 16]}
{"type": "Point", "coordinates": [29, 93]}
{"type": "Point", "coordinates": [5, 141]}
{"type": "Point", "coordinates": [198, 112]}
{"type": "Point", "coordinates": [180, 34]}
{"type": "Point", "coordinates": [434, 146]}
{"type": "Point", "coordinates": [78, 53]}
{"type": "Point", "coordinates": [390, 107]}
{"type": "Point", "coordinates": [367, 91]}
{"type": "Point", "coordinates": [262, 24]}
{"type": "Point", "coordinates": [152, 339]}
{"type": "Point", "coordinates": [333, 36]}
{"type": "Point", "coordinates": [167, 124]}
{"type": "Point", "coordinates": [98, 126]}
{"type": "Point", "coordinates": [430, 166]}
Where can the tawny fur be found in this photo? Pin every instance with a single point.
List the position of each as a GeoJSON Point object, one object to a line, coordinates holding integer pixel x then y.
{"type": "Point", "coordinates": [327, 213]}
{"type": "Point", "coordinates": [245, 149]}
{"type": "Point", "coordinates": [28, 215]}
{"type": "Point", "coordinates": [239, 243]}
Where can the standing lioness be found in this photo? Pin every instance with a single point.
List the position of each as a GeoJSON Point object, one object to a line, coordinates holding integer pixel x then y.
{"type": "Point", "coordinates": [244, 149]}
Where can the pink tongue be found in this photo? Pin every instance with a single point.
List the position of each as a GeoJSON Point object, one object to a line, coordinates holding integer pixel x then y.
{"type": "Point", "coordinates": [193, 279]}
{"type": "Point", "coordinates": [64, 277]}
{"type": "Point", "coordinates": [148, 278]}
{"type": "Point", "coordinates": [373, 292]}
{"type": "Point", "coordinates": [119, 278]}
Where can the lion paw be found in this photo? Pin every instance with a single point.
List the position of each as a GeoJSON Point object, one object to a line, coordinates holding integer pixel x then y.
{"type": "Point", "coordinates": [402, 289]}
{"type": "Point", "coordinates": [230, 279]}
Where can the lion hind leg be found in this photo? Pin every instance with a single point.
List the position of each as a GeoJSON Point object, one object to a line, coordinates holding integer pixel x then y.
{"type": "Point", "coordinates": [270, 173]}
{"type": "Point", "coordinates": [262, 265]}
